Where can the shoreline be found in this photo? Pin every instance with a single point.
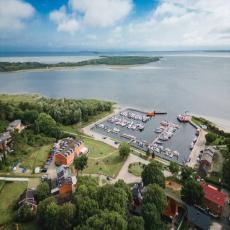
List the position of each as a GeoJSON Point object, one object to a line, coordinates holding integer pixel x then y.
{"type": "Point", "coordinates": [220, 123]}
{"type": "Point", "coordinates": [72, 68]}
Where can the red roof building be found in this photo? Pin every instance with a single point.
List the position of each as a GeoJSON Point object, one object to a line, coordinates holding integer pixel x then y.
{"type": "Point", "coordinates": [214, 200]}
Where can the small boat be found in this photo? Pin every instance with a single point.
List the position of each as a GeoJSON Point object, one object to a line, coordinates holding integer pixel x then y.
{"type": "Point", "coordinates": [176, 153]}
{"type": "Point", "coordinates": [164, 123]}
{"type": "Point", "coordinates": [183, 118]}
{"type": "Point", "coordinates": [191, 146]}
{"type": "Point", "coordinates": [159, 142]}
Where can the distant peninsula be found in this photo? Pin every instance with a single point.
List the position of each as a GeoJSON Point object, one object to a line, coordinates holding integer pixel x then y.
{"type": "Point", "coordinates": [104, 60]}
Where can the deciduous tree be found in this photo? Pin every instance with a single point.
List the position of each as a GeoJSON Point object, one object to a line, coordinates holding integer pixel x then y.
{"type": "Point", "coordinates": [152, 174]}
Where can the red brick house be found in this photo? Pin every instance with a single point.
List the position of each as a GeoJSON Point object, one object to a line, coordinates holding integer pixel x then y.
{"type": "Point", "coordinates": [214, 199]}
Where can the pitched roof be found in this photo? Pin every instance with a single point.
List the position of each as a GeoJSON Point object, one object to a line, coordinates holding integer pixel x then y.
{"type": "Point", "coordinates": [14, 123]}
{"type": "Point", "coordinates": [198, 218]}
{"type": "Point", "coordinates": [27, 196]}
{"type": "Point", "coordinates": [4, 137]}
{"type": "Point", "coordinates": [66, 146]}
{"type": "Point", "coordinates": [213, 194]}
{"type": "Point", "coordinates": [64, 176]}
{"type": "Point", "coordinates": [206, 157]}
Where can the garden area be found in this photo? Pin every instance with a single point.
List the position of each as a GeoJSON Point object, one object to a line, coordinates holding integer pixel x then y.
{"type": "Point", "coordinates": [136, 168]}
{"type": "Point", "coordinates": [109, 165]}
{"type": "Point", "coordinates": [9, 194]}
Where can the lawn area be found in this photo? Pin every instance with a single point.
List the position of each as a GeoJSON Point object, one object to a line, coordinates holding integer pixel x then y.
{"type": "Point", "coordinates": [136, 168]}
{"type": "Point", "coordinates": [109, 166]}
{"type": "Point", "coordinates": [217, 163]}
{"type": "Point", "coordinates": [96, 148]}
{"type": "Point", "coordinates": [36, 157]}
{"type": "Point", "coordinates": [8, 196]}
{"type": "Point", "coordinates": [17, 98]}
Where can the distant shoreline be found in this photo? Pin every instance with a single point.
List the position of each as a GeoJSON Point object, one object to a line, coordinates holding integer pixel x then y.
{"type": "Point", "coordinates": [112, 61]}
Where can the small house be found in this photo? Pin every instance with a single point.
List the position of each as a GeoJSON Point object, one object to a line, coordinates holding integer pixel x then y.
{"type": "Point", "coordinates": [206, 162]}
{"type": "Point", "coordinates": [214, 199]}
{"type": "Point", "coordinates": [28, 197]}
{"type": "Point", "coordinates": [15, 125]}
{"type": "Point", "coordinates": [5, 139]}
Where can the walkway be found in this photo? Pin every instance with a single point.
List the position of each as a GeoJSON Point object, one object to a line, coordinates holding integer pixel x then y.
{"type": "Point", "coordinates": [20, 179]}
{"type": "Point", "coordinates": [199, 145]}
{"type": "Point", "coordinates": [130, 178]}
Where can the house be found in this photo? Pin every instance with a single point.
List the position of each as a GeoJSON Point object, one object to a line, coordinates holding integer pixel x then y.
{"type": "Point", "coordinates": [65, 183]}
{"type": "Point", "coordinates": [66, 150]}
{"type": "Point", "coordinates": [197, 219]}
{"type": "Point", "coordinates": [206, 162]}
{"type": "Point", "coordinates": [5, 139]}
{"type": "Point", "coordinates": [214, 199]}
{"type": "Point", "coordinates": [137, 194]}
{"type": "Point", "coordinates": [15, 125]}
{"type": "Point", "coordinates": [174, 204]}
{"type": "Point", "coordinates": [27, 197]}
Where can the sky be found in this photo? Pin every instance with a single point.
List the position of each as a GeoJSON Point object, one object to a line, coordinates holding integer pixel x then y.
{"type": "Point", "coordinates": [77, 25]}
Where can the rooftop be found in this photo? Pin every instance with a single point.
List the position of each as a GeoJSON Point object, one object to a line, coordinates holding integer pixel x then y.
{"type": "Point", "coordinates": [4, 136]}
{"type": "Point", "coordinates": [66, 146]}
{"type": "Point", "coordinates": [27, 196]}
{"type": "Point", "coordinates": [64, 176]}
{"type": "Point", "coordinates": [198, 218]}
{"type": "Point", "coordinates": [213, 194]}
{"type": "Point", "coordinates": [14, 123]}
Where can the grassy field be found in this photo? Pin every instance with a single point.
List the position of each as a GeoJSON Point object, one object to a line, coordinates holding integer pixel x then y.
{"type": "Point", "coordinates": [109, 165]}
{"type": "Point", "coordinates": [97, 149]}
{"type": "Point", "coordinates": [8, 196]}
{"type": "Point", "coordinates": [136, 168]}
{"type": "Point", "coordinates": [37, 157]}
{"type": "Point", "coordinates": [17, 98]}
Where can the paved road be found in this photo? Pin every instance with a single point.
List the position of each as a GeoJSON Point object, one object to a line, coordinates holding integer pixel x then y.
{"type": "Point", "coordinates": [20, 179]}
{"type": "Point", "coordinates": [200, 144]}
{"type": "Point", "coordinates": [130, 178]}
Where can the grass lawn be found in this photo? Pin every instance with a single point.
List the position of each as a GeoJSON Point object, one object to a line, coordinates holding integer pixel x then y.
{"type": "Point", "coordinates": [36, 157]}
{"type": "Point", "coordinates": [136, 168]}
{"type": "Point", "coordinates": [17, 98]}
{"type": "Point", "coordinates": [8, 196]}
{"type": "Point", "coordinates": [217, 164]}
{"type": "Point", "coordinates": [109, 166]}
{"type": "Point", "coordinates": [96, 148]}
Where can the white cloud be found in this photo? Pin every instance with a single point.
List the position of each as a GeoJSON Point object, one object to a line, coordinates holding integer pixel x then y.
{"type": "Point", "coordinates": [65, 22]}
{"type": "Point", "coordinates": [13, 14]}
{"type": "Point", "coordinates": [102, 13]}
{"type": "Point", "coordinates": [88, 13]}
{"type": "Point", "coordinates": [182, 23]}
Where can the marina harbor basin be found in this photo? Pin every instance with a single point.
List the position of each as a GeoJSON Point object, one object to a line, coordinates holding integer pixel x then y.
{"type": "Point", "coordinates": [166, 138]}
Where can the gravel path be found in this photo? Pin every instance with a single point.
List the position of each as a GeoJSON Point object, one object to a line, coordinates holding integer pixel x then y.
{"type": "Point", "coordinates": [199, 145]}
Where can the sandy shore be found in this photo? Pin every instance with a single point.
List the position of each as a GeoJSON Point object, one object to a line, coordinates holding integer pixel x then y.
{"type": "Point", "coordinates": [220, 123]}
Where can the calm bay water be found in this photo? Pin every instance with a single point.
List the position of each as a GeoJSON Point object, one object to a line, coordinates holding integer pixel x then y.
{"type": "Point", "coordinates": [194, 82]}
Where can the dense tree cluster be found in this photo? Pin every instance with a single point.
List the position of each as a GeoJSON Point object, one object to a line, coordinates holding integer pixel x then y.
{"type": "Point", "coordinates": [192, 193]}
{"type": "Point", "coordinates": [63, 111]}
{"type": "Point", "coordinates": [93, 207]}
{"type": "Point", "coordinates": [152, 174]}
